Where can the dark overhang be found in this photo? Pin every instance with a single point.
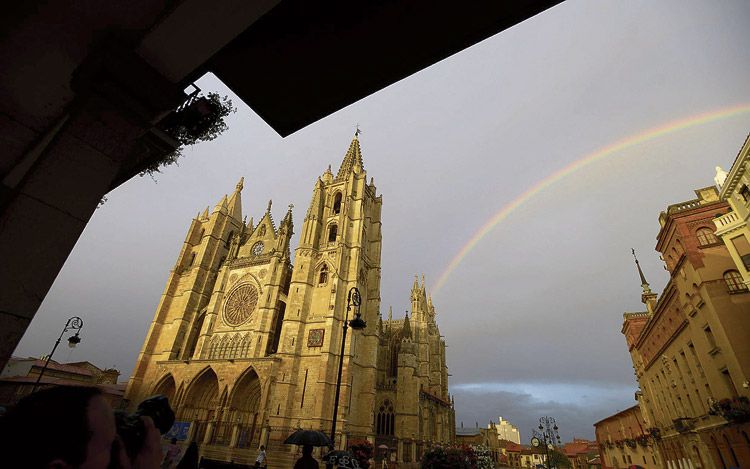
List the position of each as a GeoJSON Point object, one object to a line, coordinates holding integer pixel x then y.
{"type": "Point", "coordinates": [306, 59]}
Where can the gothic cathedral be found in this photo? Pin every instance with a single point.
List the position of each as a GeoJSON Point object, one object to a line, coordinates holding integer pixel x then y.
{"type": "Point", "coordinates": [247, 346]}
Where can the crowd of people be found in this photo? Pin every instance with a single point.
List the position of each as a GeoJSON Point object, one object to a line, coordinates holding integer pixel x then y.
{"type": "Point", "coordinates": [65, 427]}
{"type": "Point", "coordinates": [74, 427]}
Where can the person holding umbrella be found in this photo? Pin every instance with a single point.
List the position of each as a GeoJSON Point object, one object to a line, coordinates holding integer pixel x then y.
{"type": "Point", "coordinates": [307, 461]}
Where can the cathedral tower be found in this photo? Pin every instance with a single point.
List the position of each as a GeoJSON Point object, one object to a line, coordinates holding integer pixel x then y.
{"type": "Point", "coordinates": [340, 244]}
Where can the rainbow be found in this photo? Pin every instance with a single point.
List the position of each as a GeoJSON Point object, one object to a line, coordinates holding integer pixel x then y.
{"type": "Point", "coordinates": [627, 142]}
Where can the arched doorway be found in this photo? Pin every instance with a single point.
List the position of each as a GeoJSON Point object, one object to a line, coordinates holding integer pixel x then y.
{"type": "Point", "coordinates": [166, 387]}
{"type": "Point", "coordinates": [200, 404]}
{"type": "Point", "coordinates": [244, 409]}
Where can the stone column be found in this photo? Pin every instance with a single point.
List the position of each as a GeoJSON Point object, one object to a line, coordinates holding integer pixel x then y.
{"type": "Point", "coordinates": [209, 433]}
{"type": "Point", "coordinates": [56, 181]}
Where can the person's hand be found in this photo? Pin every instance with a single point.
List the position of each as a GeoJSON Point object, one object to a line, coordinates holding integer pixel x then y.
{"type": "Point", "coordinates": [149, 457]}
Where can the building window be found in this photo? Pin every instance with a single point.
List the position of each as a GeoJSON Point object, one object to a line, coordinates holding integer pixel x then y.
{"type": "Point", "coordinates": [323, 276]}
{"type": "Point", "coordinates": [729, 381]}
{"type": "Point", "coordinates": [743, 250]}
{"type": "Point", "coordinates": [385, 419]}
{"type": "Point", "coordinates": [734, 281]}
{"type": "Point", "coordinates": [337, 203]}
{"type": "Point", "coordinates": [706, 236]}
{"type": "Point", "coordinates": [333, 233]}
{"type": "Point", "coordinates": [745, 193]}
{"type": "Point", "coordinates": [710, 337]}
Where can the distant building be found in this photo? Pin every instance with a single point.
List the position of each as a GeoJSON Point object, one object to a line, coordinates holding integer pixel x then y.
{"type": "Point", "coordinates": [486, 437]}
{"type": "Point", "coordinates": [623, 441]}
{"type": "Point", "coordinates": [532, 457]}
{"type": "Point", "coordinates": [690, 348]}
{"type": "Point", "coordinates": [19, 376]}
{"type": "Point", "coordinates": [579, 452]}
{"type": "Point", "coordinates": [510, 453]}
{"type": "Point", "coordinates": [506, 431]}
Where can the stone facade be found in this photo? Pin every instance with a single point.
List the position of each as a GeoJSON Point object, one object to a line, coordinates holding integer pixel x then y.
{"type": "Point", "coordinates": [691, 347]}
{"type": "Point", "coordinates": [624, 441]}
{"type": "Point", "coordinates": [732, 228]}
{"type": "Point", "coordinates": [247, 346]}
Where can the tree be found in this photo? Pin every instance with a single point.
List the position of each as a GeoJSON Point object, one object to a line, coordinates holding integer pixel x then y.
{"type": "Point", "coordinates": [484, 457]}
{"type": "Point", "coordinates": [558, 459]}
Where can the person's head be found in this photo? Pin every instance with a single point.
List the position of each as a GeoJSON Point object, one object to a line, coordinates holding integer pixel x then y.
{"type": "Point", "coordinates": [59, 427]}
{"type": "Point", "coordinates": [262, 448]}
{"type": "Point", "coordinates": [307, 450]}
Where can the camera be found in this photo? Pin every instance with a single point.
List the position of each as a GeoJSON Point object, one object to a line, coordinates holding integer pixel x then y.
{"type": "Point", "coordinates": [131, 429]}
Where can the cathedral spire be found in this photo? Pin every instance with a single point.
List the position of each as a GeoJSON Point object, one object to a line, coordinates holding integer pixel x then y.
{"type": "Point", "coordinates": [406, 331]}
{"type": "Point", "coordinates": [235, 201]}
{"type": "Point", "coordinates": [222, 205]}
{"type": "Point", "coordinates": [352, 158]}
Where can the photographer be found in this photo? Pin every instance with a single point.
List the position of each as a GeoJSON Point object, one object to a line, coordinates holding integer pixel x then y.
{"type": "Point", "coordinates": [67, 427]}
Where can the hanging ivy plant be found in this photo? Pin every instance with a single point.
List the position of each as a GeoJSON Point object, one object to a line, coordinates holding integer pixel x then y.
{"type": "Point", "coordinates": [200, 119]}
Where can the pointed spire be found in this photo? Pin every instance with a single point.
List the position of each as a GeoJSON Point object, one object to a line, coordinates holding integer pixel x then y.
{"type": "Point", "coordinates": [406, 331]}
{"type": "Point", "coordinates": [204, 215]}
{"type": "Point", "coordinates": [390, 313]}
{"type": "Point", "coordinates": [235, 202]}
{"type": "Point", "coordinates": [644, 283]}
{"type": "Point", "coordinates": [423, 282]}
{"type": "Point", "coordinates": [270, 202]}
{"type": "Point", "coordinates": [327, 177]}
{"type": "Point", "coordinates": [415, 287]}
{"type": "Point", "coordinates": [287, 221]}
{"type": "Point", "coordinates": [222, 205]}
{"type": "Point", "coordinates": [353, 157]}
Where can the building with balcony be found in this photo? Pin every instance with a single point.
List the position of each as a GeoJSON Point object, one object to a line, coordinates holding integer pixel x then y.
{"type": "Point", "coordinates": [691, 347]}
{"type": "Point", "coordinates": [732, 227]}
{"type": "Point", "coordinates": [624, 440]}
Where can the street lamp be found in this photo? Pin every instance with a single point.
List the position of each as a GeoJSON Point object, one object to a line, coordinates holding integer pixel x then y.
{"type": "Point", "coordinates": [547, 436]}
{"type": "Point", "coordinates": [73, 324]}
{"type": "Point", "coordinates": [353, 298]}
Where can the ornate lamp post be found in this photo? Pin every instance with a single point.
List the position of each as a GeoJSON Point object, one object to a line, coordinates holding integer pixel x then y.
{"type": "Point", "coordinates": [547, 436]}
{"type": "Point", "coordinates": [74, 324]}
{"type": "Point", "coordinates": [353, 298]}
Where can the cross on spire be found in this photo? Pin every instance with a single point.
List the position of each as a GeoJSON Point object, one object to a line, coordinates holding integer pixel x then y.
{"type": "Point", "coordinates": [357, 132]}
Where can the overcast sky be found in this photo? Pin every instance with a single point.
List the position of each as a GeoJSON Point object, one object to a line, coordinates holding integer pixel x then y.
{"type": "Point", "coordinates": [532, 315]}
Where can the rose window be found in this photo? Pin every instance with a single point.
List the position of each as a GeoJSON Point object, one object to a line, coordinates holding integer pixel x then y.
{"type": "Point", "coordinates": [240, 305]}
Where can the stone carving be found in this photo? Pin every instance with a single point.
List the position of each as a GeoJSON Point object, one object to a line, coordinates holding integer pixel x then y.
{"type": "Point", "coordinates": [240, 304]}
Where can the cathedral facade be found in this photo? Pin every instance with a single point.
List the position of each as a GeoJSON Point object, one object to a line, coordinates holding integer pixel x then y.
{"type": "Point", "coordinates": [247, 346]}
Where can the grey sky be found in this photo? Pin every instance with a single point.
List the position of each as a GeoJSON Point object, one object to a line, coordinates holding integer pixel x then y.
{"type": "Point", "coordinates": [532, 316]}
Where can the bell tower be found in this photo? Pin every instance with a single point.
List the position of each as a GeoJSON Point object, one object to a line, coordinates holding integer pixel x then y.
{"type": "Point", "coordinates": [339, 248]}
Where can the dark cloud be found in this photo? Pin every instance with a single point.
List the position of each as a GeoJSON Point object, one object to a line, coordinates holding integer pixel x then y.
{"type": "Point", "coordinates": [523, 410]}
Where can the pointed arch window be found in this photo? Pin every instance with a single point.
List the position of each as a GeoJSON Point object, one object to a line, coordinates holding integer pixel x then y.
{"type": "Point", "coordinates": [245, 347]}
{"type": "Point", "coordinates": [333, 232]}
{"type": "Point", "coordinates": [385, 419]}
{"type": "Point", "coordinates": [734, 282]}
{"type": "Point", "coordinates": [323, 275]}
{"type": "Point", "coordinates": [706, 236]}
{"type": "Point", "coordinates": [337, 203]}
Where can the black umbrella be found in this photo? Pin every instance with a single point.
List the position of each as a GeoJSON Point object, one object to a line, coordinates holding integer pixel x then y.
{"type": "Point", "coordinates": [308, 437]}
{"type": "Point", "coordinates": [341, 459]}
